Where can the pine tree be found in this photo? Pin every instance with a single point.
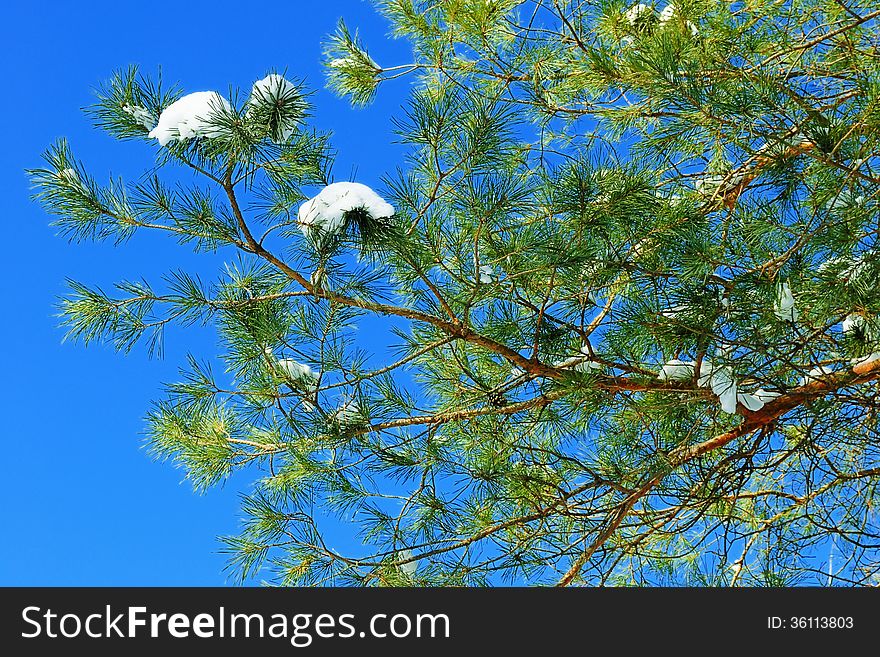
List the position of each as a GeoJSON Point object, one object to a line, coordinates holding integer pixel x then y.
{"type": "Point", "coordinates": [629, 270]}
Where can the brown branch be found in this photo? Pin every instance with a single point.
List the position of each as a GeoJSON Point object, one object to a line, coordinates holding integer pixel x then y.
{"type": "Point", "coordinates": [735, 183]}
{"type": "Point", "coordinates": [818, 40]}
{"type": "Point", "coordinates": [859, 373]}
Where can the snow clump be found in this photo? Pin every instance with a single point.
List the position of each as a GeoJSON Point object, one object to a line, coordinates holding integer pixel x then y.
{"type": "Point", "coordinates": [487, 274]}
{"type": "Point", "coordinates": [69, 176]}
{"type": "Point", "coordinates": [324, 214]}
{"type": "Point", "coordinates": [784, 308]}
{"type": "Point", "coordinates": [272, 91]}
{"type": "Point", "coordinates": [349, 413]}
{"type": "Point", "coordinates": [195, 115]}
{"type": "Point", "coordinates": [409, 568]}
{"type": "Point", "coordinates": [720, 379]}
{"type": "Point", "coordinates": [140, 114]}
{"type": "Point", "coordinates": [296, 371]}
{"type": "Point", "coordinates": [669, 12]}
{"type": "Point", "coordinates": [815, 374]}
{"type": "Point", "coordinates": [637, 12]}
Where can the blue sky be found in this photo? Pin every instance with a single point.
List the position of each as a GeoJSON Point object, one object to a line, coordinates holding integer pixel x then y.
{"type": "Point", "coordinates": [84, 504]}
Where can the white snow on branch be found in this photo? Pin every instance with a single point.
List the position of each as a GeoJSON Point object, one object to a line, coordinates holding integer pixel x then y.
{"type": "Point", "coordinates": [409, 568]}
{"type": "Point", "coordinates": [325, 213]}
{"type": "Point", "coordinates": [674, 311]}
{"type": "Point", "coordinates": [842, 262]}
{"type": "Point", "coordinates": [635, 13]}
{"type": "Point", "coordinates": [755, 401]}
{"type": "Point", "coordinates": [578, 364]}
{"type": "Point", "coordinates": [784, 145]}
{"type": "Point", "coordinates": [194, 115]}
{"type": "Point", "coordinates": [586, 365]}
{"type": "Point", "coordinates": [815, 374]}
{"type": "Point", "coordinates": [274, 90]}
{"type": "Point", "coordinates": [297, 371]}
{"type": "Point", "coordinates": [845, 200]}
{"type": "Point", "coordinates": [870, 358]}
{"type": "Point", "coordinates": [300, 375]}
{"type": "Point", "coordinates": [677, 370]}
{"type": "Point", "coordinates": [140, 114]}
{"type": "Point", "coordinates": [272, 87]}
{"type": "Point", "coordinates": [846, 268]}
{"type": "Point", "coordinates": [766, 395]}
{"type": "Point", "coordinates": [709, 183]}
{"type": "Point", "coordinates": [854, 324]}
{"type": "Point", "coordinates": [669, 12]}
{"type": "Point", "coordinates": [487, 274]}
{"type": "Point", "coordinates": [720, 379]}
{"type": "Point", "coordinates": [784, 307]}
{"type": "Point", "coordinates": [348, 413]}
{"type": "Point", "coordinates": [861, 328]}
{"type": "Point", "coordinates": [342, 62]}
{"type": "Point", "coordinates": [69, 176]}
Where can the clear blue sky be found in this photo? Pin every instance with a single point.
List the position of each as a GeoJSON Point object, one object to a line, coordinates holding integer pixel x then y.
{"type": "Point", "coordinates": [83, 503]}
